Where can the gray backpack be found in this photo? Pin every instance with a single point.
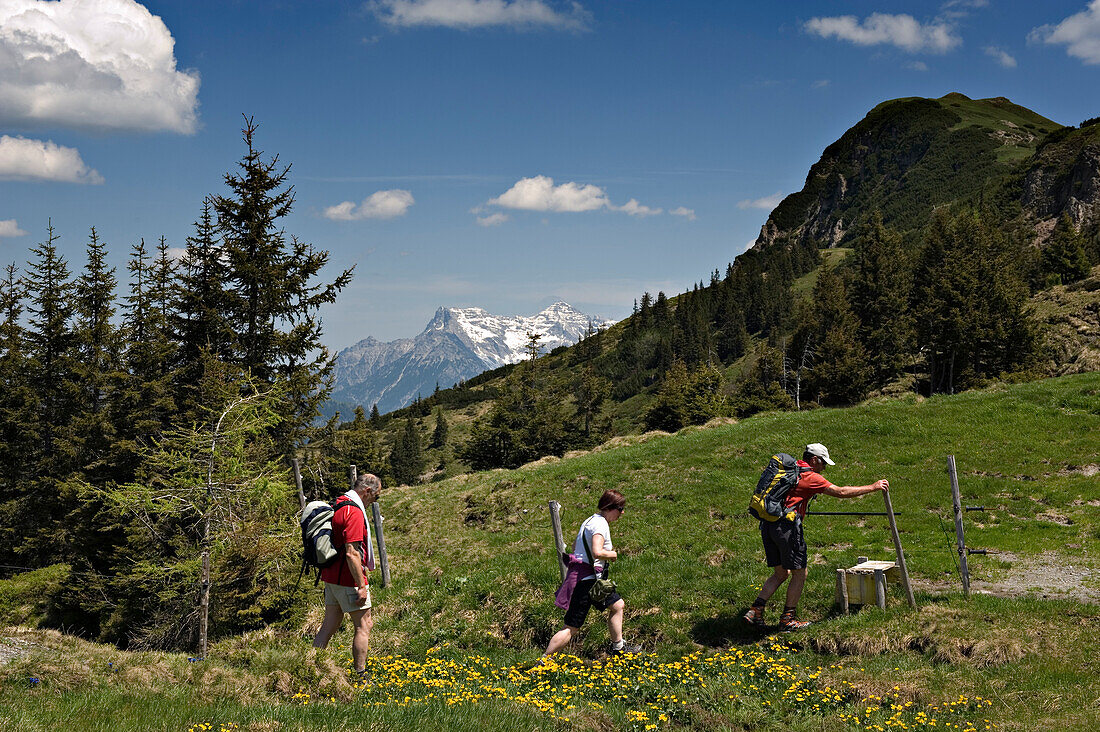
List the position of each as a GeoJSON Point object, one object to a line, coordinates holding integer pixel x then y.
{"type": "Point", "coordinates": [318, 549]}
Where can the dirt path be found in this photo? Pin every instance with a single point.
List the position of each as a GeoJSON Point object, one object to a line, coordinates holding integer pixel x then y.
{"type": "Point", "coordinates": [1048, 576]}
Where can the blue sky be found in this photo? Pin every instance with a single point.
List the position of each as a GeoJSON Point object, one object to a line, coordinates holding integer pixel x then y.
{"type": "Point", "coordinates": [498, 153]}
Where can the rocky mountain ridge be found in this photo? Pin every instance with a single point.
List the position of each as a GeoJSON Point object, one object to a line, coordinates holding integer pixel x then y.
{"type": "Point", "coordinates": [907, 157]}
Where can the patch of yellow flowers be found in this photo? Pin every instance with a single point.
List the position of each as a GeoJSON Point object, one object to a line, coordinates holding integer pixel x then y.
{"type": "Point", "coordinates": [654, 693]}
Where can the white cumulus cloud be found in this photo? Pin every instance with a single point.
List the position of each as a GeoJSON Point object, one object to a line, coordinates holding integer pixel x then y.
{"type": "Point", "coordinates": [9, 227]}
{"type": "Point", "coordinates": [687, 213]}
{"type": "Point", "coordinates": [103, 64]}
{"type": "Point", "coordinates": [1079, 33]}
{"type": "Point", "coordinates": [495, 219]}
{"type": "Point", "coordinates": [540, 194]}
{"type": "Point", "coordinates": [23, 159]}
{"type": "Point", "coordinates": [378, 205]}
{"type": "Point", "coordinates": [1004, 58]}
{"type": "Point", "coordinates": [767, 202]}
{"type": "Point", "coordinates": [902, 31]}
{"type": "Point", "coordinates": [633, 208]}
{"type": "Point", "coordinates": [467, 14]}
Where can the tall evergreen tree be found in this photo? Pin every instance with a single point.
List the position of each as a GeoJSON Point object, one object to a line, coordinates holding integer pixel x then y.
{"type": "Point", "coordinates": [840, 374]}
{"type": "Point", "coordinates": [98, 369]}
{"type": "Point", "coordinates": [19, 424]}
{"type": "Point", "coordinates": [970, 303]}
{"type": "Point", "coordinates": [1065, 259]}
{"type": "Point", "coordinates": [51, 367]}
{"type": "Point", "coordinates": [439, 434]}
{"type": "Point", "coordinates": [880, 299]}
{"type": "Point", "coordinates": [147, 402]}
{"type": "Point", "coordinates": [51, 346]}
{"type": "Point", "coordinates": [359, 445]}
{"type": "Point", "coordinates": [589, 391]}
{"type": "Point", "coordinates": [272, 293]}
{"type": "Point", "coordinates": [201, 313]}
{"type": "Point", "coordinates": [407, 458]}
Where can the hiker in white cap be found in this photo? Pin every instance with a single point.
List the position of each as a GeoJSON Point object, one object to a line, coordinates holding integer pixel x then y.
{"type": "Point", "coordinates": [784, 545]}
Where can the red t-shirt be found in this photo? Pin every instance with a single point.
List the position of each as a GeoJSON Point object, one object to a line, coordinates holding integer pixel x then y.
{"type": "Point", "coordinates": [348, 525]}
{"type": "Point", "coordinates": [809, 485]}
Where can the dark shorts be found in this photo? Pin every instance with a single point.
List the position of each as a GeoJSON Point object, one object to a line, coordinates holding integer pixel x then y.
{"type": "Point", "coordinates": [580, 603]}
{"type": "Point", "coordinates": [783, 543]}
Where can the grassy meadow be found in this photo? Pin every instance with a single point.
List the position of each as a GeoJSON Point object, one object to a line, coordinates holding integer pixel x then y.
{"type": "Point", "coordinates": [471, 604]}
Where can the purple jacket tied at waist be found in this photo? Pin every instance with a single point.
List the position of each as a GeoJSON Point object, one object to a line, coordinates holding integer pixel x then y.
{"type": "Point", "coordinates": [575, 568]}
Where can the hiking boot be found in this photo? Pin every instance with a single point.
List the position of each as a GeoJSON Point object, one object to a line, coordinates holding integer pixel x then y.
{"type": "Point", "coordinates": [626, 649]}
{"type": "Point", "coordinates": [755, 616]}
{"type": "Point", "coordinates": [789, 622]}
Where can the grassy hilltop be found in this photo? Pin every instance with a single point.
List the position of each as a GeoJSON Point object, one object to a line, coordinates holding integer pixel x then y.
{"type": "Point", "coordinates": [474, 574]}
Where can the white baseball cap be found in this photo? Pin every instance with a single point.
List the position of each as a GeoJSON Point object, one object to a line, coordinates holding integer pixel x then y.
{"type": "Point", "coordinates": [818, 450]}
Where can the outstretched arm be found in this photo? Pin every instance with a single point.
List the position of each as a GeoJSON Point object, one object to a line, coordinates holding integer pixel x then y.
{"type": "Point", "coordinates": [849, 491]}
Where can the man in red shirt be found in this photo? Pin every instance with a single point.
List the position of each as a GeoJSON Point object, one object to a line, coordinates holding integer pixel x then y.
{"type": "Point", "coordinates": [784, 545]}
{"type": "Point", "coordinates": [347, 589]}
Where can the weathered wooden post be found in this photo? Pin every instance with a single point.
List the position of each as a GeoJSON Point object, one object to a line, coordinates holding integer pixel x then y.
{"type": "Point", "coordinates": [298, 482]}
{"type": "Point", "coordinates": [353, 474]}
{"type": "Point", "coordinates": [382, 558]}
{"type": "Point", "coordinates": [880, 588]}
{"type": "Point", "coordinates": [964, 570]}
{"type": "Point", "coordinates": [842, 589]}
{"type": "Point", "coordinates": [559, 542]}
{"type": "Point", "coordinates": [897, 549]}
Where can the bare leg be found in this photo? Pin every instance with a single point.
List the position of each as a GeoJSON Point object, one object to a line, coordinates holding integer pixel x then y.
{"type": "Point", "coordinates": [615, 620]}
{"type": "Point", "coordinates": [333, 617]}
{"type": "Point", "coordinates": [363, 623]}
{"type": "Point", "coordinates": [771, 584]}
{"type": "Point", "coordinates": [560, 640]}
{"type": "Point", "coordinates": [794, 589]}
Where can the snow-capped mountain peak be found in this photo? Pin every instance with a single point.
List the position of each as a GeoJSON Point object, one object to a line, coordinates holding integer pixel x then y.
{"type": "Point", "coordinates": [457, 344]}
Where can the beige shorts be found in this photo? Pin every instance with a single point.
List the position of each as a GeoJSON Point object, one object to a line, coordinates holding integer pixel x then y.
{"type": "Point", "coordinates": [346, 597]}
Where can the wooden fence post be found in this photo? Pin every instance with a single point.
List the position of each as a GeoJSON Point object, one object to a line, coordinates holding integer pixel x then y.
{"type": "Point", "coordinates": [964, 570]}
{"type": "Point", "coordinates": [897, 548]}
{"type": "Point", "coordinates": [353, 474]}
{"type": "Point", "coordinates": [559, 542]}
{"type": "Point", "coordinates": [880, 588]}
{"type": "Point", "coordinates": [377, 515]}
{"type": "Point", "coordinates": [842, 588]}
{"type": "Point", "coordinates": [298, 482]}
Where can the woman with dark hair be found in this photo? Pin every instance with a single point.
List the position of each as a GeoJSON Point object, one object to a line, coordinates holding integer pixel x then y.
{"type": "Point", "coordinates": [592, 550]}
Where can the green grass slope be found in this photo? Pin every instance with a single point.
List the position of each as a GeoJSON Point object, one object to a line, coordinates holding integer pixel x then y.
{"type": "Point", "coordinates": [474, 575]}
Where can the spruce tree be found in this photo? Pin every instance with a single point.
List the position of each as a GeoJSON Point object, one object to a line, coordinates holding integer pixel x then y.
{"type": "Point", "coordinates": [51, 346]}
{"type": "Point", "coordinates": [271, 290]}
{"type": "Point", "coordinates": [589, 392]}
{"type": "Point", "coordinates": [439, 434]}
{"type": "Point", "coordinates": [880, 299]}
{"type": "Point", "coordinates": [841, 372]}
{"type": "Point", "coordinates": [407, 457]}
{"type": "Point", "coordinates": [147, 402]}
{"type": "Point", "coordinates": [19, 424]}
{"type": "Point", "coordinates": [98, 369]}
{"type": "Point", "coordinates": [51, 367]}
{"type": "Point", "coordinates": [201, 313]}
{"type": "Point", "coordinates": [1064, 258]}
{"type": "Point", "coordinates": [357, 444]}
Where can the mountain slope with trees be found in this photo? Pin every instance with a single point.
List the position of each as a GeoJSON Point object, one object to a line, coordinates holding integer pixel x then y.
{"type": "Point", "coordinates": [945, 220]}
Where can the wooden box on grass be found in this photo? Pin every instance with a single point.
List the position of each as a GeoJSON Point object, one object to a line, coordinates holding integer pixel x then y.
{"type": "Point", "coordinates": [860, 581]}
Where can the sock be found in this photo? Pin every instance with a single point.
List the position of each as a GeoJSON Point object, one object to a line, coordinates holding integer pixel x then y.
{"type": "Point", "coordinates": [790, 609]}
{"type": "Point", "coordinates": [618, 645]}
{"type": "Point", "coordinates": [759, 602]}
